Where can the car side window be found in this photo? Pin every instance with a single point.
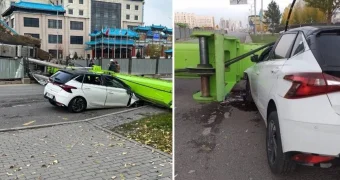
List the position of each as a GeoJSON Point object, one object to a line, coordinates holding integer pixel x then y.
{"type": "Point", "coordinates": [109, 81]}
{"type": "Point", "coordinates": [282, 49]}
{"type": "Point", "coordinates": [92, 79]}
{"type": "Point", "coordinates": [298, 45]}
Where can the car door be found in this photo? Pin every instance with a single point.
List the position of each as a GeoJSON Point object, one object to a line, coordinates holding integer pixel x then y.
{"type": "Point", "coordinates": [116, 93]}
{"type": "Point", "coordinates": [94, 90]}
{"type": "Point", "coordinates": [268, 70]}
{"type": "Point", "coordinates": [253, 78]}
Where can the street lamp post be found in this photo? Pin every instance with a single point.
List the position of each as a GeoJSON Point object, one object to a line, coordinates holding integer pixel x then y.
{"type": "Point", "coordinates": [57, 35]}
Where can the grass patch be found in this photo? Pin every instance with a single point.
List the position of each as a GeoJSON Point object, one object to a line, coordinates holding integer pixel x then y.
{"type": "Point", "coordinates": [267, 38]}
{"type": "Point", "coordinates": [155, 131]}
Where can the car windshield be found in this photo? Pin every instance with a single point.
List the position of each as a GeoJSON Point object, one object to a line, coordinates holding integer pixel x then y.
{"type": "Point", "coordinates": [61, 77]}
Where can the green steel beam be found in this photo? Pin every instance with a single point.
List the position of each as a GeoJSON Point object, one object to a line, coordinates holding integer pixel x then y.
{"type": "Point", "coordinates": [220, 50]}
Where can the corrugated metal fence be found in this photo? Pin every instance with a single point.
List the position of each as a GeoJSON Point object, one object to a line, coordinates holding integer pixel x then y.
{"type": "Point", "coordinates": [138, 66]}
{"type": "Point", "coordinates": [11, 68]}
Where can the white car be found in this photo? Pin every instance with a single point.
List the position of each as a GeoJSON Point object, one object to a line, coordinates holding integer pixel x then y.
{"type": "Point", "coordinates": [295, 85]}
{"type": "Point", "coordinates": [79, 90]}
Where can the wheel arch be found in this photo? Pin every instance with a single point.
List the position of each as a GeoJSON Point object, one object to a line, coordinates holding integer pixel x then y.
{"type": "Point", "coordinates": [270, 108]}
{"type": "Point", "coordinates": [80, 97]}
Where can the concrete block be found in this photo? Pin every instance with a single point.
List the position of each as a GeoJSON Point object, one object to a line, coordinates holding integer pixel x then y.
{"type": "Point", "coordinates": [26, 81]}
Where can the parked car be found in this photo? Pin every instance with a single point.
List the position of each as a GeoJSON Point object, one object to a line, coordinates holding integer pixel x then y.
{"type": "Point", "coordinates": [295, 85]}
{"type": "Point", "coordinates": [79, 90]}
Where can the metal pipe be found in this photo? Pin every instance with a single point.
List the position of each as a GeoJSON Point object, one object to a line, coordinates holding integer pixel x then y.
{"type": "Point", "coordinates": [205, 86]}
{"type": "Point", "coordinates": [203, 47]}
{"type": "Point", "coordinates": [238, 58]}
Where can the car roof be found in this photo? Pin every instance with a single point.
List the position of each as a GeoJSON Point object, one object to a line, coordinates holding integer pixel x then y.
{"type": "Point", "coordinates": [77, 71]}
{"type": "Point", "coordinates": [309, 30]}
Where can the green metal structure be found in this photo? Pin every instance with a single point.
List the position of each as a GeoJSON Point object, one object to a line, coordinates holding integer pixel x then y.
{"type": "Point", "coordinates": [207, 60]}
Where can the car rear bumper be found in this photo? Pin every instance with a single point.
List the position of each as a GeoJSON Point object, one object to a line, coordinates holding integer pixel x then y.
{"type": "Point", "coordinates": [310, 138]}
{"type": "Point", "coordinates": [61, 98]}
{"type": "Point", "coordinates": [309, 125]}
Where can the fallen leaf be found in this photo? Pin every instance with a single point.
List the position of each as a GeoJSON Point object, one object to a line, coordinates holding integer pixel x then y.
{"type": "Point", "coordinates": [113, 177]}
{"type": "Point", "coordinates": [161, 165]}
{"type": "Point", "coordinates": [9, 174]}
{"type": "Point", "coordinates": [43, 166]}
{"type": "Point", "coordinates": [28, 123]}
{"type": "Point", "coordinates": [161, 174]}
{"type": "Point", "coordinates": [124, 153]}
{"type": "Point", "coordinates": [191, 171]}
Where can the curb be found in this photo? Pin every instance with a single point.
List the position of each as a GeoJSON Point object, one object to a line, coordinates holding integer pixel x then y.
{"type": "Point", "coordinates": [69, 122]}
{"type": "Point", "coordinates": [133, 141]}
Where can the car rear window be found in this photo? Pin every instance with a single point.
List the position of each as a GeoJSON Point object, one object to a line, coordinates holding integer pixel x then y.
{"type": "Point", "coordinates": [61, 77]}
{"type": "Point", "coordinates": [327, 46]}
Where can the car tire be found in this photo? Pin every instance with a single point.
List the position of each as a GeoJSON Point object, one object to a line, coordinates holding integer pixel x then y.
{"type": "Point", "coordinates": [77, 105]}
{"type": "Point", "coordinates": [280, 163]}
{"type": "Point", "coordinates": [52, 102]}
{"type": "Point", "coordinates": [247, 96]}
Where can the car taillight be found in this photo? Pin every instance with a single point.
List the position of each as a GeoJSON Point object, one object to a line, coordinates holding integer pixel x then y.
{"type": "Point", "coordinates": [311, 84]}
{"type": "Point", "coordinates": [67, 88]}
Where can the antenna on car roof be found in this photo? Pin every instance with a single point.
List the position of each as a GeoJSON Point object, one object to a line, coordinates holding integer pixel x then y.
{"type": "Point", "coordinates": [290, 12]}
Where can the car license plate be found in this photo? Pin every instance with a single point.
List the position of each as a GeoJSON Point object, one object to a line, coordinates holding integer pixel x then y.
{"type": "Point", "coordinates": [49, 95]}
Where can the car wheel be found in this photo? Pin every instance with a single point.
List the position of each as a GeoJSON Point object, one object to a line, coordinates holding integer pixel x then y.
{"type": "Point", "coordinates": [247, 96]}
{"type": "Point", "coordinates": [77, 105]}
{"type": "Point", "coordinates": [52, 102]}
{"type": "Point", "coordinates": [279, 162]}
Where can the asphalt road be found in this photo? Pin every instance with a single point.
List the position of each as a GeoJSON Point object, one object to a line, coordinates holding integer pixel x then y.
{"type": "Point", "coordinates": [20, 104]}
{"type": "Point", "coordinates": [225, 142]}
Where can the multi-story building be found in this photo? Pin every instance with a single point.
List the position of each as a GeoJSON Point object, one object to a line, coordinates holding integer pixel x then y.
{"type": "Point", "coordinates": [186, 18]}
{"type": "Point", "coordinates": [193, 20]}
{"type": "Point", "coordinates": [223, 24]}
{"type": "Point", "coordinates": [116, 14]}
{"type": "Point", "coordinates": [76, 19]}
{"type": "Point", "coordinates": [58, 33]}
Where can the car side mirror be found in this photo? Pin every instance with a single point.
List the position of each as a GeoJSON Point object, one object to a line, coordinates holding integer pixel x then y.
{"type": "Point", "coordinates": [255, 58]}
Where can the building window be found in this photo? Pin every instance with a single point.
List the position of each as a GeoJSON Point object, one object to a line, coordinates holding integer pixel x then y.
{"type": "Point", "coordinates": [128, 6]}
{"type": "Point", "coordinates": [31, 22]}
{"type": "Point", "coordinates": [127, 16]}
{"type": "Point", "coordinates": [136, 7]}
{"type": "Point", "coordinates": [53, 52]}
{"type": "Point", "coordinates": [77, 40]}
{"type": "Point", "coordinates": [81, 1]}
{"type": "Point", "coordinates": [70, 1]}
{"type": "Point", "coordinates": [52, 39]}
{"type": "Point", "coordinates": [70, 11]}
{"type": "Point", "coordinates": [76, 25]}
{"type": "Point", "coordinates": [81, 12]}
{"type": "Point", "coordinates": [136, 17]}
{"type": "Point", "coordinates": [52, 23]}
{"type": "Point", "coordinates": [12, 23]}
{"type": "Point", "coordinates": [33, 35]}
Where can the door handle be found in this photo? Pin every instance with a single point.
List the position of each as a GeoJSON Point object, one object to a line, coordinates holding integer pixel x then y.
{"type": "Point", "coordinates": [87, 88]}
{"type": "Point", "coordinates": [111, 93]}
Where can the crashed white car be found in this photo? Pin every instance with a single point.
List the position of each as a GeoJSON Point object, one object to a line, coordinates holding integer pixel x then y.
{"type": "Point", "coordinates": [79, 90]}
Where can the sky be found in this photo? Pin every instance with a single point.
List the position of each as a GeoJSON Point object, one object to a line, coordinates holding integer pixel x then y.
{"type": "Point", "coordinates": [158, 12]}
{"type": "Point", "coordinates": [222, 8]}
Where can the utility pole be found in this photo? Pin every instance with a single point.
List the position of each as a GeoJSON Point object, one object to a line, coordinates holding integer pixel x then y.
{"type": "Point", "coordinates": [261, 19]}
{"type": "Point", "coordinates": [255, 17]}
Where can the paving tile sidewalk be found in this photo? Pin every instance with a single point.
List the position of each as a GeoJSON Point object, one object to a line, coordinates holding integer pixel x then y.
{"type": "Point", "coordinates": [80, 151]}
